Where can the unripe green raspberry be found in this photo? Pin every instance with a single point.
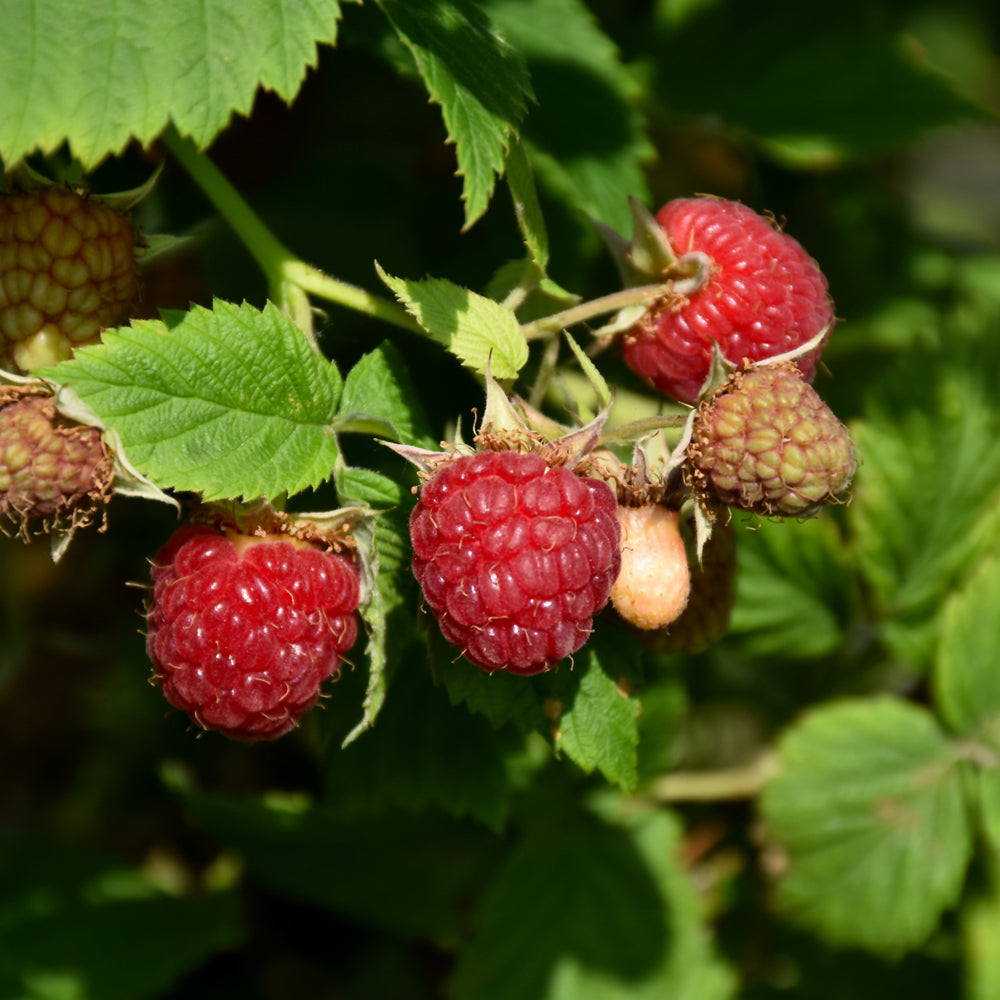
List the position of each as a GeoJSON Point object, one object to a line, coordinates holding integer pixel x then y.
{"type": "Point", "coordinates": [67, 271]}
{"type": "Point", "coordinates": [53, 472]}
{"type": "Point", "coordinates": [765, 442]}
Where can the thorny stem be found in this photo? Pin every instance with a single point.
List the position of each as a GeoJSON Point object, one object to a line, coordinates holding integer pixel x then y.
{"type": "Point", "coordinates": [288, 278]}
{"type": "Point", "coordinates": [594, 307]}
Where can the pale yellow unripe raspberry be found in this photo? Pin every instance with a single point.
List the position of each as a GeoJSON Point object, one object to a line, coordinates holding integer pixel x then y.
{"type": "Point", "coordinates": [654, 582]}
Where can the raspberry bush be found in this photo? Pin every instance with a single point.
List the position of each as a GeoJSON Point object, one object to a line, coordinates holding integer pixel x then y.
{"type": "Point", "coordinates": [593, 609]}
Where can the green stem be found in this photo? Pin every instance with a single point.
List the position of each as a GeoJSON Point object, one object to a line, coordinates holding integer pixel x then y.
{"type": "Point", "coordinates": [743, 782]}
{"type": "Point", "coordinates": [350, 296]}
{"type": "Point", "coordinates": [594, 307]}
{"type": "Point", "coordinates": [288, 277]}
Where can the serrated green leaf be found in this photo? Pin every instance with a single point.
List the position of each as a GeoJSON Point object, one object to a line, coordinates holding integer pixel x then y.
{"type": "Point", "coordinates": [535, 934]}
{"type": "Point", "coordinates": [585, 138]}
{"type": "Point", "coordinates": [792, 586]}
{"type": "Point", "coordinates": [885, 99]}
{"type": "Point", "coordinates": [126, 68]}
{"type": "Point", "coordinates": [477, 78]}
{"type": "Point", "coordinates": [870, 807]}
{"type": "Point", "coordinates": [377, 393]}
{"type": "Point", "coordinates": [389, 552]}
{"type": "Point", "coordinates": [230, 402]}
{"type": "Point", "coordinates": [932, 420]}
{"type": "Point", "coordinates": [454, 760]}
{"type": "Point", "coordinates": [526, 208]}
{"type": "Point", "coordinates": [475, 329]}
{"type": "Point", "coordinates": [597, 726]}
{"type": "Point", "coordinates": [500, 697]}
{"type": "Point", "coordinates": [967, 675]}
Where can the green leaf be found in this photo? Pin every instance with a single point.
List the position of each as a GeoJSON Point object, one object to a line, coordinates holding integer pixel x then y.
{"type": "Point", "coordinates": [526, 208]}
{"type": "Point", "coordinates": [500, 697]}
{"type": "Point", "coordinates": [870, 808]}
{"type": "Point", "coordinates": [475, 329]}
{"type": "Point", "coordinates": [378, 388]}
{"type": "Point", "coordinates": [477, 78]}
{"type": "Point", "coordinates": [86, 926]}
{"type": "Point", "coordinates": [390, 554]}
{"type": "Point", "coordinates": [981, 937]}
{"type": "Point", "coordinates": [883, 99]}
{"type": "Point", "coordinates": [791, 589]}
{"type": "Point", "coordinates": [592, 912]}
{"type": "Point", "coordinates": [412, 874]}
{"type": "Point", "coordinates": [227, 403]}
{"type": "Point", "coordinates": [968, 665]}
{"type": "Point", "coordinates": [107, 71]}
{"type": "Point", "coordinates": [585, 137]}
{"type": "Point", "coordinates": [933, 420]}
{"type": "Point", "coordinates": [597, 721]}
{"type": "Point", "coordinates": [454, 760]}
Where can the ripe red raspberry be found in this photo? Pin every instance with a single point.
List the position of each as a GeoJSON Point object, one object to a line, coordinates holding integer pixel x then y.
{"type": "Point", "coordinates": [765, 442]}
{"type": "Point", "coordinates": [763, 295]}
{"type": "Point", "coordinates": [54, 472]}
{"type": "Point", "coordinates": [67, 271]}
{"type": "Point", "coordinates": [514, 557]}
{"type": "Point", "coordinates": [242, 631]}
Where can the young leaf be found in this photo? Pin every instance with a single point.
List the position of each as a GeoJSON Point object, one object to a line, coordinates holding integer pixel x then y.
{"type": "Point", "coordinates": [477, 78]}
{"type": "Point", "coordinates": [585, 138]}
{"type": "Point", "coordinates": [475, 329]}
{"type": "Point", "coordinates": [378, 388]}
{"type": "Point", "coordinates": [597, 721]}
{"type": "Point", "coordinates": [870, 808]}
{"type": "Point", "coordinates": [229, 402]}
{"type": "Point", "coordinates": [535, 933]}
{"type": "Point", "coordinates": [128, 67]}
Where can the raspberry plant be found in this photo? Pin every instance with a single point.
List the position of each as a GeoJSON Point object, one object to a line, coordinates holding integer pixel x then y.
{"type": "Point", "coordinates": [360, 226]}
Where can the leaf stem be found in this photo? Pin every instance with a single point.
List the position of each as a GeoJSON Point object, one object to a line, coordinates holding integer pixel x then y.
{"type": "Point", "coordinates": [350, 296]}
{"type": "Point", "coordinates": [539, 328]}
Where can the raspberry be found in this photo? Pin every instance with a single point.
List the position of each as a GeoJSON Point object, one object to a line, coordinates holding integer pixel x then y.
{"type": "Point", "coordinates": [67, 271]}
{"type": "Point", "coordinates": [53, 471]}
{"type": "Point", "coordinates": [242, 631]}
{"type": "Point", "coordinates": [765, 442]}
{"type": "Point", "coordinates": [514, 557]}
{"type": "Point", "coordinates": [653, 585]}
{"type": "Point", "coordinates": [713, 594]}
{"type": "Point", "coordinates": [762, 295]}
